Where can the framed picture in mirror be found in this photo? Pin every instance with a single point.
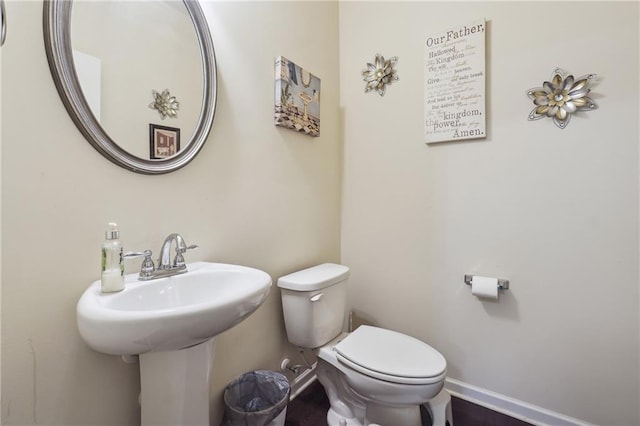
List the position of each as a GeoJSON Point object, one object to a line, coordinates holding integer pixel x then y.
{"type": "Point", "coordinates": [164, 141]}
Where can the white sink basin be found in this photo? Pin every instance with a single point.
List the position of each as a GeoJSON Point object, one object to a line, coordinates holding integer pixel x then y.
{"type": "Point", "coordinates": [170, 313]}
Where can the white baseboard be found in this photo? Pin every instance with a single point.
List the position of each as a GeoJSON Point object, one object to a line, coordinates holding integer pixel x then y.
{"type": "Point", "coordinates": [511, 407]}
{"type": "Point", "coordinates": [300, 383]}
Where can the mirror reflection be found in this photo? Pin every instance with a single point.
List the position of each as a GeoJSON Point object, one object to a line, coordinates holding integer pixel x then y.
{"type": "Point", "coordinates": [127, 54]}
{"type": "Point", "coordinates": [120, 86]}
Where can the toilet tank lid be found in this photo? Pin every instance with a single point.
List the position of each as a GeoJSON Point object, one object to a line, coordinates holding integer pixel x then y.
{"type": "Point", "coordinates": [314, 278]}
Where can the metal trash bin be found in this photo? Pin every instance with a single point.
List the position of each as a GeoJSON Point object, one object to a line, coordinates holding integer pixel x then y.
{"type": "Point", "coordinates": [257, 398]}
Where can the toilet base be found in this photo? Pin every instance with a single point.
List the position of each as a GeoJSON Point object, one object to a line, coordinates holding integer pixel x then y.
{"type": "Point", "coordinates": [382, 415]}
{"type": "Point", "coordinates": [439, 409]}
{"type": "Point", "coordinates": [335, 419]}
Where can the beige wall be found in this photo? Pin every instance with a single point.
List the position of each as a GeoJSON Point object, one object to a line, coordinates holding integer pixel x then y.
{"type": "Point", "coordinates": [256, 195]}
{"type": "Point", "coordinates": [555, 211]}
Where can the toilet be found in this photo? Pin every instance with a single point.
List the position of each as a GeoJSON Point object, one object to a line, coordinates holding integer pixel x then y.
{"type": "Point", "coordinates": [372, 376]}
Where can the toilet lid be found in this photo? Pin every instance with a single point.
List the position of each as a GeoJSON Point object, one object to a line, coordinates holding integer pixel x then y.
{"type": "Point", "coordinates": [314, 278]}
{"type": "Point", "coordinates": [391, 356]}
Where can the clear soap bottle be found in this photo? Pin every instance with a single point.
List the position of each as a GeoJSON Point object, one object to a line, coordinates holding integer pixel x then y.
{"type": "Point", "coordinates": [112, 261]}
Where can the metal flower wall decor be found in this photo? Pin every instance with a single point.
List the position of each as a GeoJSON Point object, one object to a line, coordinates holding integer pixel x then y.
{"type": "Point", "coordinates": [561, 97]}
{"type": "Point", "coordinates": [166, 104]}
{"type": "Point", "coordinates": [379, 74]}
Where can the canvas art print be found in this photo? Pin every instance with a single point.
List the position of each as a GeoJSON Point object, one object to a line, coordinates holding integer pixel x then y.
{"type": "Point", "coordinates": [297, 98]}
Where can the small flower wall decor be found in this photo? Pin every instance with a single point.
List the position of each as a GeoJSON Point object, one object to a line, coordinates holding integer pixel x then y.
{"type": "Point", "coordinates": [166, 104]}
{"type": "Point", "coordinates": [379, 74]}
{"type": "Point", "coordinates": [561, 97]}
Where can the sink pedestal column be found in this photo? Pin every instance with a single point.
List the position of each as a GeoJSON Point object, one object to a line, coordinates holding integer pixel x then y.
{"type": "Point", "coordinates": [176, 386]}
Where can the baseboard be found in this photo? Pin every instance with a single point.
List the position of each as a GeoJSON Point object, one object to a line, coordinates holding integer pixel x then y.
{"type": "Point", "coordinates": [533, 414]}
{"type": "Point", "coordinates": [303, 381]}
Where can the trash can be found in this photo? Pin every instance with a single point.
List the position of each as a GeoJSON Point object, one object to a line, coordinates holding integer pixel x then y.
{"type": "Point", "coordinates": [257, 398]}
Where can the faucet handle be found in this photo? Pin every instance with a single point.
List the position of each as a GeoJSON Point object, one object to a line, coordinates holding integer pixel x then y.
{"type": "Point", "coordinates": [134, 254]}
{"type": "Point", "coordinates": [178, 262]}
{"type": "Point", "coordinates": [147, 267]}
{"type": "Point", "coordinates": [183, 249]}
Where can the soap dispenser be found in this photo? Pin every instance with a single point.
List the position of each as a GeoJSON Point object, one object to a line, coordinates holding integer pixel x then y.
{"type": "Point", "coordinates": [112, 261]}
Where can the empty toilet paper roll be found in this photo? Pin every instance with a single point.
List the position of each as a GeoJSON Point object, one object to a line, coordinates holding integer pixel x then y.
{"type": "Point", "coordinates": [484, 287]}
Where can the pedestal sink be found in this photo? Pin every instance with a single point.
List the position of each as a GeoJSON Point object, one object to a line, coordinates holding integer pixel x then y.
{"type": "Point", "coordinates": [171, 323]}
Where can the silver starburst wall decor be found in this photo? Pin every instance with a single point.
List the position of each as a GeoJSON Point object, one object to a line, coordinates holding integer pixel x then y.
{"type": "Point", "coordinates": [379, 74]}
{"type": "Point", "coordinates": [166, 104]}
{"type": "Point", "coordinates": [561, 97]}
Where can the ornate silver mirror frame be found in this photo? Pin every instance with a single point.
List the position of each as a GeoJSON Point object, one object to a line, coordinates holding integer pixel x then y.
{"type": "Point", "coordinates": [57, 40]}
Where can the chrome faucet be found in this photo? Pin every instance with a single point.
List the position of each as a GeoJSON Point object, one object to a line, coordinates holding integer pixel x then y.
{"type": "Point", "coordinates": [164, 261]}
{"type": "Point", "coordinates": [165, 268]}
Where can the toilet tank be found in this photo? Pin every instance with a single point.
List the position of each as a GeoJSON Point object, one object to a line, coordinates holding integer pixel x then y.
{"type": "Point", "coordinates": [314, 302]}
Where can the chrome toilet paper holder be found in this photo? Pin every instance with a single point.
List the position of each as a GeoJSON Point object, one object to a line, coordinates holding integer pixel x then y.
{"type": "Point", "coordinates": [502, 283]}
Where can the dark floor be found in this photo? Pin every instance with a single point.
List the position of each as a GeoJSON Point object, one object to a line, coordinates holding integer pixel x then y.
{"type": "Point", "coordinates": [310, 409]}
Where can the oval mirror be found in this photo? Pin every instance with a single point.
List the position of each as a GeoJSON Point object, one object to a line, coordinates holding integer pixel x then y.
{"type": "Point", "coordinates": [144, 121]}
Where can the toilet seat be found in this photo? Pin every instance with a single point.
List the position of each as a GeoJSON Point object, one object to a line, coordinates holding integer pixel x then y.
{"type": "Point", "coordinates": [391, 356]}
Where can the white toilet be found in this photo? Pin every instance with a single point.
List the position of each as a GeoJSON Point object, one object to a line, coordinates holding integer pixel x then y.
{"type": "Point", "coordinates": [372, 375]}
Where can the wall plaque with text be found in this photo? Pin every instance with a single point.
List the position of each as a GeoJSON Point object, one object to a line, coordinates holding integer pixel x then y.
{"type": "Point", "coordinates": [455, 84]}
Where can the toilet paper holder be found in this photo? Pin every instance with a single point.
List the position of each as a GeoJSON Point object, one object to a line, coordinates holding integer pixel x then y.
{"type": "Point", "coordinates": [502, 283]}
